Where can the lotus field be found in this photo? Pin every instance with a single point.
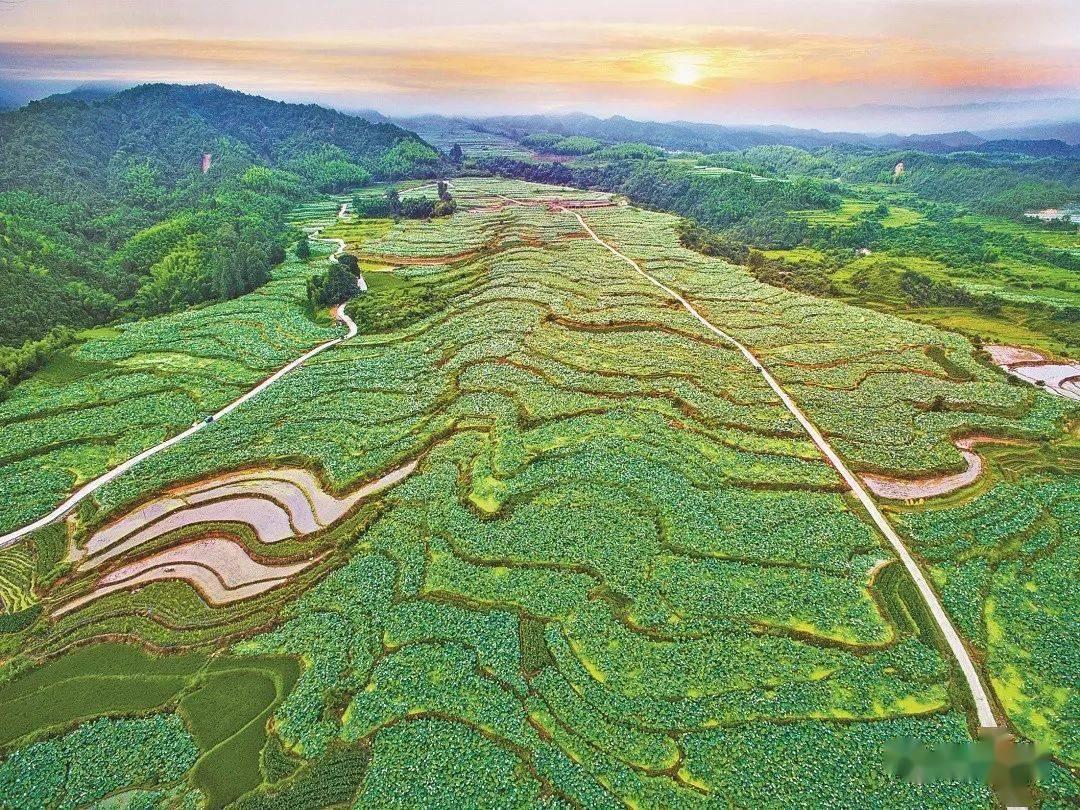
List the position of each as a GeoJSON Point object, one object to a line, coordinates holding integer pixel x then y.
{"type": "Point", "coordinates": [586, 556]}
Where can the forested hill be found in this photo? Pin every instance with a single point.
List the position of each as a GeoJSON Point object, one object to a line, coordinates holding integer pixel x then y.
{"type": "Point", "coordinates": [106, 210]}
{"type": "Point", "coordinates": [48, 146]}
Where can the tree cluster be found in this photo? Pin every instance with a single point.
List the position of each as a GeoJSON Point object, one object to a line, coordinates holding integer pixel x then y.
{"type": "Point", "coordinates": [106, 212]}
{"type": "Point", "coordinates": [336, 285]}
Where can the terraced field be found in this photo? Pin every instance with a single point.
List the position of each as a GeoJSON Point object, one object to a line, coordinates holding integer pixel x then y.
{"type": "Point", "coordinates": [121, 391]}
{"type": "Point", "coordinates": [586, 554]}
{"type": "Point", "coordinates": [445, 132]}
{"type": "Point", "coordinates": [1005, 563]}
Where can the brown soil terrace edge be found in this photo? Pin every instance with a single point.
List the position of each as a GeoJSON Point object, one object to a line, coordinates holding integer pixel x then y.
{"type": "Point", "coordinates": [910, 488]}
{"type": "Point", "coordinates": [219, 568]}
{"type": "Point", "coordinates": [289, 503]}
{"type": "Point", "coordinates": [277, 504]}
{"type": "Point", "coordinates": [1056, 376]}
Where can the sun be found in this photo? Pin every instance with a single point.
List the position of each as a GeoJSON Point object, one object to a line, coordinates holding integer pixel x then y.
{"type": "Point", "coordinates": [684, 68]}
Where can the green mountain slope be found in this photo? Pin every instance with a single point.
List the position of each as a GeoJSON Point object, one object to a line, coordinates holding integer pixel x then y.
{"type": "Point", "coordinates": [109, 207]}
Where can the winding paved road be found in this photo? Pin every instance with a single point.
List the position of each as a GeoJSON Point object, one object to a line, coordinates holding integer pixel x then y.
{"type": "Point", "coordinates": [88, 489]}
{"type": "Point", "coordinates": [956, 645]}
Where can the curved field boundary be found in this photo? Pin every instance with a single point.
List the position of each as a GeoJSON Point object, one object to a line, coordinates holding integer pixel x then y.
{"type": "Point", "coordinates": [93, 486]}
{"type": "Point", "coordinates": [219, 568]}
{"type": "Point", "coordinates": [956, 645]}
{"type": "Point", "coordinates": [276, 504]}
{"type": "Point", "coordinates": [201, 577]}
{"type": "Point", "coordinates": [909, 488]}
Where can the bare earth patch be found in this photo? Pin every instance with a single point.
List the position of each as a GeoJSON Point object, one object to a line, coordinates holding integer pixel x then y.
{"type": "Point", "coordinates": [276, 504]}
{"type": "Point", "coordinates": [913, 488]}
{"type": "Point", "coordinates": [220, 569]}
{"type": "Point", "coordinates": [1061, 378]}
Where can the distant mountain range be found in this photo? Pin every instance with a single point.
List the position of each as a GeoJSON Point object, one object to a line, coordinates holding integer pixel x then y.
{"type": "Point", "coordinates": [1037, 140]}
{"type": "Point", "coordinates": [16, 94]}
{"type": "Point", "coordinates": [1067, 132]}
{"type": "Point", "coordinates": [976, 116]}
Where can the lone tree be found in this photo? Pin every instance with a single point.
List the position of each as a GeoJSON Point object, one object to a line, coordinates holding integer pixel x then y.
{"type": "Point", "coordinates": [303, 249]}
{"type": "Point", "coordinates": [445, 205]}
{"type": "Point", "coordinates": [350, 264]}
{"type": "Point", "coordinates": [393, 202]}
{"type": "Point", "coordinates": [417, 208]}
{"type": "Point", "coordinates": [457, 157]}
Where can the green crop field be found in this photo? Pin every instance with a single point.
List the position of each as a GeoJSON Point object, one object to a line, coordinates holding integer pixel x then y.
{"type": "Point", "coordinates": [605, 566]}
{"type": "Point", "coordinates": [1065, 240]}
{"type": "Point", "coordinates": [844, 214]}
{"type": "Point", "coordinates": [118, 392]}
{"type": "Point", "coordinates": [474, 141]}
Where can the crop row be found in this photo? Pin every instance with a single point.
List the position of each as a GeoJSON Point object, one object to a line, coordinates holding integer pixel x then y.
{"type": "Point", "coordinates": [1005, 563]}
{"type": "Point", "coordinates": [890, 414]}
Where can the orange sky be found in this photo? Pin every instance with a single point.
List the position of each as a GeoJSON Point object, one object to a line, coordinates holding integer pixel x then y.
{"type": "Point", "coordinates": [700, 60]}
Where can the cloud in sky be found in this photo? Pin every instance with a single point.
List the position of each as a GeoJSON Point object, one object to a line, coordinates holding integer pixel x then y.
{"type": "Point", "coordinates": [756, 64]}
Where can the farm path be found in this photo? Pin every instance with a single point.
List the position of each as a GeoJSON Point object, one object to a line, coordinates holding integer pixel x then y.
{"type": "Point", "coordinates": [979, 696]}
{"type": "Point", "coordinates": [93, 486]}
{"type": "Point", "coordinates": [405, 191]}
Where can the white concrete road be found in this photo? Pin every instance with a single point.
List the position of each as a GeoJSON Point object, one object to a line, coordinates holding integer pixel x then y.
{"type": "Point", "coordinates": [979, 696]}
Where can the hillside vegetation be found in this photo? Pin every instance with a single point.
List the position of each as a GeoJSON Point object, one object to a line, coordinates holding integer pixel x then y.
{"type": "Point", "coordinates": [106, 210]}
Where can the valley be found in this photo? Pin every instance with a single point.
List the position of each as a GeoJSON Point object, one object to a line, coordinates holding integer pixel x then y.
{"type": "Point", "coordinates": [576, 515]}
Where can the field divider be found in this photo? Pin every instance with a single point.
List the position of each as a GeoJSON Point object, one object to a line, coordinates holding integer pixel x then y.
{"type": "Point", "coordinates": [93, 486]}
{"type": "Point", "coordinates": [983, 706]}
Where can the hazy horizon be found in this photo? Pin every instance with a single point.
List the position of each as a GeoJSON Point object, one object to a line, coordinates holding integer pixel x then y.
{"type": "Point", "coordinates": [865, 66]}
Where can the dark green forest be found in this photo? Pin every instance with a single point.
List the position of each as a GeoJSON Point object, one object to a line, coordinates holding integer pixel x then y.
{"type": "Point", "coordinates": [106, 211]}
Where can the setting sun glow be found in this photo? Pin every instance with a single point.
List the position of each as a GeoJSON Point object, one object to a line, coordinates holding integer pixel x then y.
{"type": "Point", "coordinates": [684, 68]}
